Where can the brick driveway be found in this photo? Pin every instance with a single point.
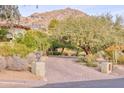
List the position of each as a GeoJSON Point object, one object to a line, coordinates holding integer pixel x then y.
{"type": "Point", "coordinates": [64, 69]}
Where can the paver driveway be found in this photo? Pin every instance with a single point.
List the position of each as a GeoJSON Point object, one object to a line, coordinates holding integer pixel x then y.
{"type": "Point", "coordinates": [65, 69]}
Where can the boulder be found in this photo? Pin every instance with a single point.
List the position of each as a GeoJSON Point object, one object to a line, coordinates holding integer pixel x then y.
{"type": "Point", "coordinates": [16, 63]}
{"type": "Point", "coordinates": [30, 58]}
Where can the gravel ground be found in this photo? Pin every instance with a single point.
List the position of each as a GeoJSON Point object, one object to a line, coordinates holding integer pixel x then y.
{"type": "Point", "coordinates": [19, 79]}
{"type": "Point", "coordinates": [17, 75]}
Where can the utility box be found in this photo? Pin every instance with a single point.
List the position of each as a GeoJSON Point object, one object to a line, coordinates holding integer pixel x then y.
{"type": "Point", "coordinates": [38, 68]}
{"type": "Point", "coordinates": [106, 67]}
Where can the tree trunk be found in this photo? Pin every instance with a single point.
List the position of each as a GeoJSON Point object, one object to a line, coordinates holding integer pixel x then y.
{"type": "Point", "coordinates": [86, 49]}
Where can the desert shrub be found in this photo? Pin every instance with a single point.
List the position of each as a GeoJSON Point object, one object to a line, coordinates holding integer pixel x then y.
{"type": "Point", "coordinates": [82, 59]}
{"type": "Point", "coordinates": [16, 63]}
{"type": "Point", "coordinates": [54, 53]}
{"type": "Point", "coordinates": [91, 64]}
{"type": "Point", "coordinates": [109, 54]}
{"type": "Point", "coordinates": [21, 50]}
{"type": "Point", "coordinates": [9, 60]}
{"type": "Point", "coordinates": [34, 40]}
{"type": "Point", "coordinates": [90, 59]}
{"type": "Point", "coordinates": [69, 52]}
{"type": "Point", "coordinates": [6, 49]}
{"type": "Point", "coordinates": [81, 54]}
{"type": "Point", "coordinates": [27, 40]}
{"type": "Point", "coordinates": [101, 54]}
{"type": "Point", "coordinates": [11, 49]}
{"type": "Point", "coordinates": [121, 59]}
{"type": "Point", "coordinates": [3, 33]}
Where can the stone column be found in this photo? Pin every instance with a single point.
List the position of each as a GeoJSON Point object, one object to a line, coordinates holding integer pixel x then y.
{"type": "Point", "coordinates": [38, 68]}
{"type": "Point", "coordinates": [106, 67]}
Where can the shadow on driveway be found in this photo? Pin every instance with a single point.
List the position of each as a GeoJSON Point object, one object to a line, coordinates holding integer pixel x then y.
{"type": "Point", "coordinates": [108, 83]}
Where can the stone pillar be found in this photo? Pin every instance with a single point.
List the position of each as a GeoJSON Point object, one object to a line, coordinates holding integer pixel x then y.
{"type": "Point", "coordinates": [106, 67]}
{"type": "Point", "coordinates": [38, 68]}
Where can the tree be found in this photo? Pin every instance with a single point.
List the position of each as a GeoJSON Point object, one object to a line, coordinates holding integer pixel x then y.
{"type": "Point", "coordinates": [118, 22]}
{"type": "Point", "coordinates": [3, 34]}
{"type": "Point", "coordinates": [35, 40]}
{"type": "Point", "coordinates": [53, 25]}
{"type": "Point", "coordinates": [58, 41]}
{"type": "Point", "coordinates": [9, 12]}
{"type": "Point", "coordinates": [91, 34]}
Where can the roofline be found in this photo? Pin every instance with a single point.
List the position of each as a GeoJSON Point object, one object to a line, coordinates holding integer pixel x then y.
{"type": "Point", "coordinates": [15, 26]}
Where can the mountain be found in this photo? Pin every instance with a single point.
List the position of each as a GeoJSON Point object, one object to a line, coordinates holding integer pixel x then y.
{"type": "Point", "coordinates": [41, 20]}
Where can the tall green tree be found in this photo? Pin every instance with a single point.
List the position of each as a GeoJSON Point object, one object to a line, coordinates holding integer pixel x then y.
{"type": "Point", "coordinates": [91, 34]}
{"type": "Point", "coordinates": [53, 25]}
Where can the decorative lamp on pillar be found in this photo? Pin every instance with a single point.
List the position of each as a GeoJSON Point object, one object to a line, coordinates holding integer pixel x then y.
{"type": "Point", "coordinates": [9, 36]}
{"type": "Point", "coordinates": [38, 56]}
{"type": "Point", "coordinates": [38, 67]}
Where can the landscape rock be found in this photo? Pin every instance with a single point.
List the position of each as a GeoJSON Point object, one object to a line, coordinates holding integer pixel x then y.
{"type": "Point", "coordinates": [30, 58]}
{"type": "Point", "coordinates": [2, 63]}
{"type": "Point", "coordinates": [16, 63]}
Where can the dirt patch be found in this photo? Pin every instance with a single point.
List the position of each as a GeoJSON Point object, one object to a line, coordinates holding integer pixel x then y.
{"type": "Point", "coordinates": [18, 75]}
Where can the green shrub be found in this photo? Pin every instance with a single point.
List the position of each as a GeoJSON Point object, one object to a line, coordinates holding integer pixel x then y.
{"type": "Point", "coordinates": [81, 53]}
{"type": "Point", "coordinates": [35, 40]}
{"type": "Point", "coordinates": [91, 64]}
{"type": "Point", "coordinates": [109, 54]}
{"type": "Point", "coordinates": [90, 59]}
{"type": "Point", "coordinates": [3, 34]}
{"type": "Point", "coordinates": [21, 50]}
{"type": "Point", "coordinates": [11, 49]}
{"type": "Point", "coordinates": [82, 59]}
{"type": "Point", "coordinates": [54, 53]}
{"type": "Point", "coordinates": [121, 59]}
{"type": "Point", "coordinates": [101, 54]}
{"type": "Point", "coordinates": [69, 52]}
{"type": "Point", "coordinates": [6, 49]}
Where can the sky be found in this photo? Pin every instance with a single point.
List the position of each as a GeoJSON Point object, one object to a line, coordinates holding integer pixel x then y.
{"type": "Point", "coordinates": [88, 9]}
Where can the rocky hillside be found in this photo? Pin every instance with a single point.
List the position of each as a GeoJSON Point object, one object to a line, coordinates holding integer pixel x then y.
{"type": "Point", "coordinates": [41, 20]}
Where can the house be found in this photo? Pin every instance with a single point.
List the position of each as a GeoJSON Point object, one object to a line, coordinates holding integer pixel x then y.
{"type": "Point", "coordinates": [14, 29]}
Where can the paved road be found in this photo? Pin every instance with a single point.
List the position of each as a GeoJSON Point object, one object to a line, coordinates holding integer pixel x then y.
{"type": "Point", "coordinates": [21, 83]}
{"type": "Point", "coordinates": [110, 83]}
